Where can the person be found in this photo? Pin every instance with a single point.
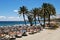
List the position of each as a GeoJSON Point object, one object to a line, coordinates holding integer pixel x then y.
{"type": "Point", "coordinates": [24, 30]}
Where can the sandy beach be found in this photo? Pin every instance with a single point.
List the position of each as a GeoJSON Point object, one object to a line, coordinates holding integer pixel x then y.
{"type": "Point", "coordinates": [43, 35]}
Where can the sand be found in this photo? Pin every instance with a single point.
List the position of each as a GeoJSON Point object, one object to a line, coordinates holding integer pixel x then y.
{"type": "Point", "coordinates": [43, 35]}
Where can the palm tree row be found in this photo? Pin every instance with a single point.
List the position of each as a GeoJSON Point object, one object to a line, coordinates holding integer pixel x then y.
{"type": "Point", "coordinates": [44, 12]}
{"type": "Point", "coordinates": [48, 10]}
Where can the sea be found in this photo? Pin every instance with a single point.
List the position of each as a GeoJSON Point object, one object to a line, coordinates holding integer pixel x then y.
{"type": "Point", "coordinates": [11, 23]}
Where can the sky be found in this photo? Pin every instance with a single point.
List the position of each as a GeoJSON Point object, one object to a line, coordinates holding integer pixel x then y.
{"type": "Point", "coordinates": [9, 8]}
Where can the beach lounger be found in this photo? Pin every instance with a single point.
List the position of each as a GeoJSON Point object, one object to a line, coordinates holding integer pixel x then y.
{"type": "Point", "coordinates": [12, 36]}
{"type": "Point", "coordinates": [24, 34]}
{"type": "Point", "coordinates": [31, 31]}
{"type": "Point", "coordinates": [18, 34]}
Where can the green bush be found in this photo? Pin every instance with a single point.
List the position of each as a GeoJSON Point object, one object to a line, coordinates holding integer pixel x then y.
{"type": "Point", "coordinates": [55, 26]}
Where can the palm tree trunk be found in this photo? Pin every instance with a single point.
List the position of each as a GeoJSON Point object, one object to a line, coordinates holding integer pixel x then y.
{"type": "Point", "coordinates": [49, 20]}
{"type": "Point", "coordinates": [38, 19]}
{"type": "Point", "coordinates": [31, 23]}
{"type": "Point", "coordinates": [30, 20]}
{"type": "Point", "coordinates": [24, 18]}
{"type": "Point", "coordinates": [44, 19]}
{"type": "Point", "coordinates": [35, 21]}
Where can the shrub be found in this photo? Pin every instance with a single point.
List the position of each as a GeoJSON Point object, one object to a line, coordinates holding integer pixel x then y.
{"type": "Point", "coordinates": [55, 26]}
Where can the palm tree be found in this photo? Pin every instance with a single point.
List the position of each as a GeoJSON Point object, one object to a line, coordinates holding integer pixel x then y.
{"type": "Point", "coordinates": [39, 14]}
{"type": "Point", "coordinates": [23, 10]}
{"type": "Point", "coordinates": [43, 11]}
{"type": "Point", "coordinates": [48, 9]}
{"type": "Point", "coordinates": [30, 18]}
{"type": "Point", "coordinates": [35, 12]}
{"type": "Point", "coordinates": [51, 11]}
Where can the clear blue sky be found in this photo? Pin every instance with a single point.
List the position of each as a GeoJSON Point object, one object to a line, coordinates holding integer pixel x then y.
{"type": "Point", "coordinates": [8, 7]}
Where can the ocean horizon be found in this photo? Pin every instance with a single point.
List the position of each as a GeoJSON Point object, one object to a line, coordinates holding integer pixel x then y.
{"type": "Point", "coordinates": [11, 23]}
